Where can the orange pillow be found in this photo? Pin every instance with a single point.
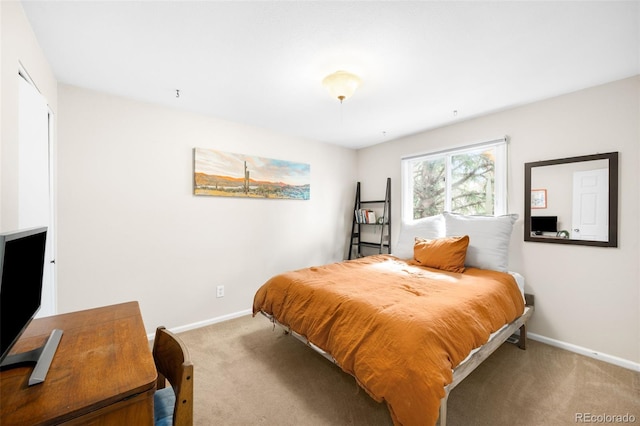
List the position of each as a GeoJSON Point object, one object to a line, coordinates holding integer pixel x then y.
{"type": "Point", "coordinates": [446, 253]}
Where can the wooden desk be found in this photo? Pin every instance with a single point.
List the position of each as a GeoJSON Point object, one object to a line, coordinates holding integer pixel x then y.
{"type": "Point", "coordinates": [102, 373]}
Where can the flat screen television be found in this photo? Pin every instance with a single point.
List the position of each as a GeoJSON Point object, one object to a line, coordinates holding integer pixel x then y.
{"type": "Point", "coordinates": [541, 224]}
{"type": "Point", "coordinates": [22, 259]}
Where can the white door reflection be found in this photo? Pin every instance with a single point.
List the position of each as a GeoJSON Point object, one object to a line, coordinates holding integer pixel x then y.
{"type": "Point", "coordinates": [590, 205]}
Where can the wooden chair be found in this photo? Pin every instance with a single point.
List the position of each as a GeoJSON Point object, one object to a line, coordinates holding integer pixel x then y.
{"type": "Point", "coordinates": [172, 405]}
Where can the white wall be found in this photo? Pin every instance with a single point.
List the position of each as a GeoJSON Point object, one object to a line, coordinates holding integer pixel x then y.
{"type": "Point", "coordinates": [585, 296]}
{"type": "Point", "coordinates": [130, 227]}
{"type": "Point", "coordinates": [18, 45]}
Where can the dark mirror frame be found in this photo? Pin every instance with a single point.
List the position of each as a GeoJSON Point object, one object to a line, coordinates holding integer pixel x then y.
{"type": "Point", "coordinates": [613, 200]}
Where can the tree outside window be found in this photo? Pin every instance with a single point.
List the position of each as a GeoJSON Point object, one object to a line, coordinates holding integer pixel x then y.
{"type": "Point", "coordinates": [468, 181]}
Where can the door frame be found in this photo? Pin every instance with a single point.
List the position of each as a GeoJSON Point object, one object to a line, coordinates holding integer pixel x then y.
{"type": "Point", "coordinates": [49, 305]}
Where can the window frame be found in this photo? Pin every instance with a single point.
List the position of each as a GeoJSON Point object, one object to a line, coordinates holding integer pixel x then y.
{"type": "Point", "coordinates": [501, 175]}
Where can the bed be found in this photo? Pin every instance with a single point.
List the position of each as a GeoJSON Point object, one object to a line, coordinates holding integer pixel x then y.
{"type": "Point", "coordinates": [409, 329]}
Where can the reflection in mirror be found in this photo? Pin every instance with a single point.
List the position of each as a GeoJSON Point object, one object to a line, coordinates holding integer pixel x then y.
{"type": "Point", "coordinates": [576, 195]}
{"type": "Point", "coordinates": [572, 200]}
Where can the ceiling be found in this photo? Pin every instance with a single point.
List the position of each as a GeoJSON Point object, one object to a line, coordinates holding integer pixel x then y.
{"type": "Point", "coordinates": [423, 64]}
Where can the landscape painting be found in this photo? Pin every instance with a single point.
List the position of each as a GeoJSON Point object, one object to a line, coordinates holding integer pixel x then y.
{"type": "Point", "coordinates": [225, 174]}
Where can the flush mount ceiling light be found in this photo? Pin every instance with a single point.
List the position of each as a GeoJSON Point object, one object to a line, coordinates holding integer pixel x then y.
{"type": "Point", "coordinates": [341, 84]}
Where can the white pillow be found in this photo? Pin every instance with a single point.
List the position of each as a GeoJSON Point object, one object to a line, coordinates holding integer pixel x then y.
{"type": "Point", "coordinates": [428, 227]}
{"type": "Point", "coordinates": [489, 238]}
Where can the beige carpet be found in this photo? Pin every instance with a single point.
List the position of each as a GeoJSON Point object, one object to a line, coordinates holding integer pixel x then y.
{"type": "Point", "coordinates": [249, 373]}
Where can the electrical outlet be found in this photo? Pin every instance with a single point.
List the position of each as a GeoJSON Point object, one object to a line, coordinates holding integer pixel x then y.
{"type": "Point", "coordinates": [220, 291]}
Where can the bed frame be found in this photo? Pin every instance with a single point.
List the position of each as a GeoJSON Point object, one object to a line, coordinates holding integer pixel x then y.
{"type": "Point", "coordinates": [467, 365]}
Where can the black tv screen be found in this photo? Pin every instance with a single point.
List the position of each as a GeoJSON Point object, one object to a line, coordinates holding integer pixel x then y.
{"type": "Point", "coordinates": [22, 256]}
{"type": "Point", "coordinates": [540, 224]}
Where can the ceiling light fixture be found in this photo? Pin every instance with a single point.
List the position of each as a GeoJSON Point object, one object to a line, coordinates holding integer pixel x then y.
{"type": "Point", "coordinates": [341, 84]}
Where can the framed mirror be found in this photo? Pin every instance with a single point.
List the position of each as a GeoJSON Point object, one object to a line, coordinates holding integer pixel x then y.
{"type": "Point", "coordinates": [572, 200]}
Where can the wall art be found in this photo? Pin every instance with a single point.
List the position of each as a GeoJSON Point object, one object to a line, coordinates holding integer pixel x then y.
{"type": "Point", "coordinates": [226, 174]}
{"type": "Point", "coordinates": [538, 198]}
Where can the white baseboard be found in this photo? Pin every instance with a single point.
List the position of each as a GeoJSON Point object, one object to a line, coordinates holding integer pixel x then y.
{"type": "Point", "coordinates": [204, 323]}
{"type": "Point", "coordinates": [620, 362]}
{"type": "Point", "coordinates": [552, 342]}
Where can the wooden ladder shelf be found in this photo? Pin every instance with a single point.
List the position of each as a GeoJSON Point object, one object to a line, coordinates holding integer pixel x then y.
{"type": "Point", "coordinates": [363, 218]}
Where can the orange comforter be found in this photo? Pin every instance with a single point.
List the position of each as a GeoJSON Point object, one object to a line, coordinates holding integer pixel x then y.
{"type": "Point", "coordinates": [399, 329]}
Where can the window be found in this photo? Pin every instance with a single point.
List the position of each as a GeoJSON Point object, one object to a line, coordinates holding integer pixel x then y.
{"type": "Point", "coordinates": [468, 180]}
